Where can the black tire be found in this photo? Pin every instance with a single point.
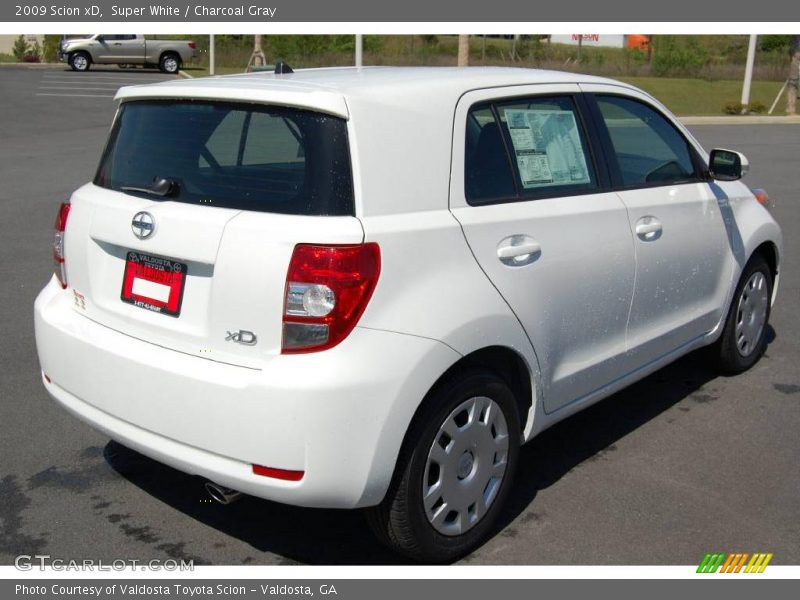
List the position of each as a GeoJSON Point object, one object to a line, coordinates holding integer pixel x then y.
{"type": "Point", "coordinates": [726, 352]}
{"type": "Point", "coordinates": [401, 520]}
{"type": "Point", "coordinates": [170, 63]}
{"type": "Point", "coordinates": [80, 61]}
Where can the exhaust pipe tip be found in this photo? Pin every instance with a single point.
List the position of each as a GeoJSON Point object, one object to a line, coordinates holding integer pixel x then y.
{"type": "Point", "coordinates": [221, 494]}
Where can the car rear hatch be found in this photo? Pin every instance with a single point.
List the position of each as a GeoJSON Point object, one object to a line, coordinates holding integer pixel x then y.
{"type": "Point", "coordinates": [185, 236]}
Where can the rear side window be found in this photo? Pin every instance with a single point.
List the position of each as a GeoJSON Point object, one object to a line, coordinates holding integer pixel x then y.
{"type": "Point", "coordinates": [249, 157]}
{"type": "Point", "coordinates": [649, 150]}
{"type": "Point", "coordinates": [529, 148]}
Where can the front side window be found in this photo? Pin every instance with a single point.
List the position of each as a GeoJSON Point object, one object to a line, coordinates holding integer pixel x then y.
{"type": "Point", "coordinates": [248, 157]}
{"type": "Point", "coordinates": [648, 148]}
{"type": "Point", "coordinates": [529, 148]}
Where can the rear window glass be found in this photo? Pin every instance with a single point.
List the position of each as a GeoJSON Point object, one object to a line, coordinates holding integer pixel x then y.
{"type": "Point", "coordinates": [242, 156]}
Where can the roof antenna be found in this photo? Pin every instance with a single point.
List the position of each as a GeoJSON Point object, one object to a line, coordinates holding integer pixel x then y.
{"type": "Point", "coordinates": [282, 67]}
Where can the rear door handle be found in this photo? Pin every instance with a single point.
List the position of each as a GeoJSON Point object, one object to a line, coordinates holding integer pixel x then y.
{"type": "Point", "coordinates": [648, 229]}
{"type": "Point", "coordinates": [518, 250]}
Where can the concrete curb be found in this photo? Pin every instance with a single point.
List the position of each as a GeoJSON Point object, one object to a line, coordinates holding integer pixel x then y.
{"type": "Point", "coordinates": [743, 120]}
{"type": "Point", "coordinates": [184, 75]}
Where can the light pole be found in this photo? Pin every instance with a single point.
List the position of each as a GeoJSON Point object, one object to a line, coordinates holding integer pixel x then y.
{"type": "Point", "coordinates": [211, 58]}
{"type": "Point", "coordinates": [359, 50]}
{"type": "Point", "coordinates": [748, 72]}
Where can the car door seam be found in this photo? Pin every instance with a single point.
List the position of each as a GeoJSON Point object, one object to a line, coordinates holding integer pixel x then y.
{"type": "Point", "coordinates": [499, 293]}
{"type": "Point", "coordinates": [635, 270]}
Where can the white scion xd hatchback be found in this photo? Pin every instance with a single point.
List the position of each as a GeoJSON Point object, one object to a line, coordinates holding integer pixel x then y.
{"type": "Point", "coordinates": [365, 288]}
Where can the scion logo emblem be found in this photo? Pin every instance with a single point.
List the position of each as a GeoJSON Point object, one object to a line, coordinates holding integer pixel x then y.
{"type": "Point", "coordinates": [248, 338]}
{"type": "Point", "coordinates": [143, 225]}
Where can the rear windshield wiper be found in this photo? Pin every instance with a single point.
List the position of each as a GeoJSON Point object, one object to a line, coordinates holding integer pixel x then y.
{"type": "Point", "coordinates": [161, 187]}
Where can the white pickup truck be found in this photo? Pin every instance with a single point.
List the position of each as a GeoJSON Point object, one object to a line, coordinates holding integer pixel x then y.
{"type": "Point", "coordinates": [126, 50]}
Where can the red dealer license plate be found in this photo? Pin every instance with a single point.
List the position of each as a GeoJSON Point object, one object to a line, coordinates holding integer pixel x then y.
{"type": "Point", "coordinates": [153, 283]}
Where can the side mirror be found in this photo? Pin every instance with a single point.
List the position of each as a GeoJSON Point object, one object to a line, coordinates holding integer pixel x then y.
{"type": "Point", "coordinates": [727, 165]}
{"type": "Point", "coordinates": [100, 39]}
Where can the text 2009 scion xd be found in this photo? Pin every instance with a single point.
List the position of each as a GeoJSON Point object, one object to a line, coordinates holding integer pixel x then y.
{"type": "Point", "coordinates": [365, 288]}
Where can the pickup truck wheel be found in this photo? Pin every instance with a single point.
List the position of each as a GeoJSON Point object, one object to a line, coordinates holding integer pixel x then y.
{"type": "Point", "coordinates": [170, 63]}
{"type": "Point", "coordinates": [80, 61]}
{"type": "Point", "coordinates": [743, 340]}
{"type": "Point", "coordinates": [454, 472]}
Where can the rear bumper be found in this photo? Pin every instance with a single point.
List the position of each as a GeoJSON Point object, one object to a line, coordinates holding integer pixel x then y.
{"type": "Point", "coordinates": [339, 415]}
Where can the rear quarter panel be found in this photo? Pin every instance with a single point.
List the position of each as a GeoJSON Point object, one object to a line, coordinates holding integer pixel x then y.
{"type": "Point", "coordinates": [430, 286]}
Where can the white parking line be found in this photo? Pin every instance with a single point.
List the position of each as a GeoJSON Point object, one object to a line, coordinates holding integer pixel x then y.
{"type": "Point", "coordinates": [104, 82]}
{"type": "Point", "coordinates": [76, 95]}
{"type": "Point", "coordinates": [66, 75]}
{"type": "Point", "coordinates": [81, 85]}
{"type": "Point", "coordinates": [72, 87]}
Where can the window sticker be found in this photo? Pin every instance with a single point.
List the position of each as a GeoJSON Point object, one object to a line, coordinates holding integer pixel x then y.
{"type": "Point", "coordinates": [547, 147]}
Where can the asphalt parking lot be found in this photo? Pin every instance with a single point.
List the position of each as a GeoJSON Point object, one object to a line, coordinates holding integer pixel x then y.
{"type": "Point", "coordinates": [682, 463]}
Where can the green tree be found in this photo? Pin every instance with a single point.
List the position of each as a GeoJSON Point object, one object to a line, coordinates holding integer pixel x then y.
{"type": "Point", "coordinates": [50, 48]}
{"type": "Point", "coordinates": [20, 47]}
{"type": "Point", "coordinates": [678, 56]}
{"type": "Point", "coordinates": [772, 43]}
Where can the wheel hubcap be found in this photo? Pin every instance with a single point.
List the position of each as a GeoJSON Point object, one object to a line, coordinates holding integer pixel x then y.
{"type": "Point", "coordinates": [79, 62]}
{"type": "Point", "coordinates": [465, 466]}
{"type": "Point", "coordinates": [170, 65]}
{"type": "Point", "coordinates": [751, 313]}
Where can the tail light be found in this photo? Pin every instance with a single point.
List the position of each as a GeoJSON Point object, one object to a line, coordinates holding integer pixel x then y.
{"type": "Point", "coordinates": [327, 290]}
{"type": "Point", "coordinates": [58, 243]}
{"type": "Point", "coordinates": [192, 45]}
